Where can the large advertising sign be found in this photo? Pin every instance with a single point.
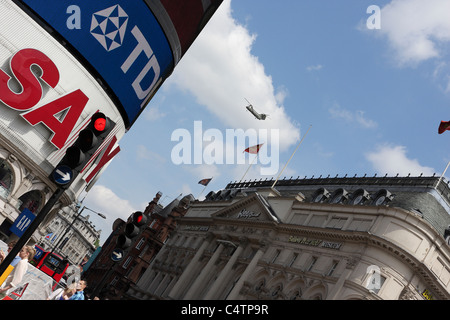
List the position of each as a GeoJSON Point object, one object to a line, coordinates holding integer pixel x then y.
{"type": "Point", "coordinates": [120, 39]}
{"type": "Point", "coordinates": [133, 45]}
{"type": "Point", "coordinates": [47, 96]}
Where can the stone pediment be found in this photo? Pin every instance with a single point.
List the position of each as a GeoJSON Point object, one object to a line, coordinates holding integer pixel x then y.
{"type": "Point", "coordinates": [251, 208]}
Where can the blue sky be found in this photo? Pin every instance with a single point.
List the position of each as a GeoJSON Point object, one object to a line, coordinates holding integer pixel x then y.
{"type": "Point", "coordinates": [374, 98]}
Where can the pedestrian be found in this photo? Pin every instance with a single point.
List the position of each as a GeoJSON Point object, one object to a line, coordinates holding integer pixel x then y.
{"type": "Point", "coordinates": [11, 245]}
{"type": "Point", "coordinates": [15, 277]}
{"type": "Point", "coordinates": [62, 293]}
{"type": "Point", "coordinates": [79, 294]}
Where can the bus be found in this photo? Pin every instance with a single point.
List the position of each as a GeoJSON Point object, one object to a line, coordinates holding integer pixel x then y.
{"type": "Point", "coordinates": [50, 263]}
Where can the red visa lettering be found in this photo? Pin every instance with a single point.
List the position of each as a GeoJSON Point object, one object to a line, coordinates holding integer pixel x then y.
{"type": "Point", "coordinates": [107, 156]}
{"type": "Point", "coordinates": [32, 91]}
{"type": "Point", "coordinates": [74, 102]}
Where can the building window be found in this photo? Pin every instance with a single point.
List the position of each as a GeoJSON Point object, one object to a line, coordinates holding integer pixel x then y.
{"type": "Point", "coordinates": [31, 200]}
{"type": "Point", "coordinates": [143, 251]}
{"type": "Point", "coordinates": [333, 267]}
{"type": "Point", "coordinates": [260, 285]}
{"type": "Point", "coordinates": [296, 295]}
{"type": "Point", "coordinates": [312, 263]}
{"type": "Point", "coordinates": [140, 243]}
{"type": "Point", "coordinates": [127, 262]}
{"type": "Point", "coordinates": [252, 253]}
{"type": "Point", "coordinates": [6, 179]}
{"type": "Point", "coordinates": [277, 291]}
{"type": "Point", "coordinates": [294, 257]}
{"type": "Point", "coordinates": [277, 253]}
{"type": "Point", "coordinates": [114, 281]}
{"type": "Point", "coordinates": [336, 223]}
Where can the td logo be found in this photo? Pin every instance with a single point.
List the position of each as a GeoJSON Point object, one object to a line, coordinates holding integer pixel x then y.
{"type": "Point", "coordinates": [108, 26]}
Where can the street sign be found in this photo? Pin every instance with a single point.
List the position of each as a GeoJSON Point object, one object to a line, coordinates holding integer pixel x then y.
{"type": "Point", "coordinates": [62, 175]}
{"type": "Point", "coordinates": [117, 255]}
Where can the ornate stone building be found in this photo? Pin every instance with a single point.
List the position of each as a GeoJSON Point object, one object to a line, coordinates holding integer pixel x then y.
{"type": "Point", "coordinates": [327, 238]}
{"type": "Point", "coordinates": [71, 235]}
{"type": "Point", "coordinates": [110, 279]}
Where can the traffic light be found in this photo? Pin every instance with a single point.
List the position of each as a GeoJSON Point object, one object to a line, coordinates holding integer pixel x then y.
{"type": "Point", "coordinates": [138, 219]}
{"type": "Point", "coordinates": [79, 153]}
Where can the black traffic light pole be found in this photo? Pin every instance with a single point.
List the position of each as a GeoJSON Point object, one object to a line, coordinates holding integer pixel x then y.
{"type": "Point", "coordinates": [30, 230]}
{"type": "Point", "coordinates": [76, 157]}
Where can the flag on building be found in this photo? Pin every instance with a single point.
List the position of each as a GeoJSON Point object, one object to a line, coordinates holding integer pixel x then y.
{"type": "Point", "coordinates": [445, 125]}
{"type": "Point", "coordinates": [47, 237]}
{"type": "Point", "coordinates": [254, 149]}
{"type": "Point", "coordinates": [205, 182]}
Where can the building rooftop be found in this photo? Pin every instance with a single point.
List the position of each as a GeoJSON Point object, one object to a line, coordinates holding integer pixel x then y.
{"type": "Point", "coordinates": [428, 197]}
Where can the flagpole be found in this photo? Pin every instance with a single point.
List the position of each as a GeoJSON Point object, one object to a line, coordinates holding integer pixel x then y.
{"type": "Point", "coordinates": [291, 156]}
{"type": "Point", "coordinates": [439, 181]}
{"type": "Point", "coordinates": [250, 166]}
{"type": "Point", "coordinates": [201, 192]}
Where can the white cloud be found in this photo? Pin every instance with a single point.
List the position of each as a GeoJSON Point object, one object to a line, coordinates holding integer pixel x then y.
{"type": "Point", "coordinates": [154, 114]}
{"type": "Point", "coordinates": [391, 160]}
{"type": "Point", "coordinates": [103, 200]}
{"type": "Point", "coordinates": [220, 71]}
{"type": "Point", "coordinates": [416, 29]}
{"type": "Point", "coordinates": [337, 112]}
{"type": "Point", "coordinates": [317, 67]}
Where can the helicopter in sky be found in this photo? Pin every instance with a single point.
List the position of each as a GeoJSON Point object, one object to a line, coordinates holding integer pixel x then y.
{"type": "Point", "coordinates": [259, 116]}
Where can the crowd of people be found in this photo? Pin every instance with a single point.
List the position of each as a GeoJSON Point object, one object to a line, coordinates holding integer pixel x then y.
{"type": "Point", "coordinates": [73, 291]}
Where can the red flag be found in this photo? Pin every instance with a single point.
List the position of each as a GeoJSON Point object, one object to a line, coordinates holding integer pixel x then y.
{"type": "Point", "coordinates": [205, 182]}
{"type": "Point", "coordinates": [445, 125]}
{"type": "Point", "coordinates": [254, 149]}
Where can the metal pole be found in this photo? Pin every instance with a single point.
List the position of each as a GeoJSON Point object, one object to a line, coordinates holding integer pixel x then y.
{"type": "Point", "coordinates": [291, 157]}
{"type": "Point", "coordinates": [71, 225]}
{"type": "Point", "coordinates": [67, 230]}
{"type": "Point", "coordinates": [443, 173]}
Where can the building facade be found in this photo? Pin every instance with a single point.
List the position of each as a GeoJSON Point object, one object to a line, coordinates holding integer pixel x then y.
{"type": "Point", "coordinates": [23, 185]}
{"type": "Point", "coordinates": [48, 99]}
{"type": "Point", "coordinates": [71, 235]}
{"type": "Point", "coordinates": [328, 238]}
{"type": "Point", "coordinates": [111, 279]}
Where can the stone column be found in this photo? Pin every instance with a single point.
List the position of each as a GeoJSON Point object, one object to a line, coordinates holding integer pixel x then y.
{"type": "Point", "coordinates": [214, 290]}
{"type": "Point", "coordinates": [202, 276]}
{"type": "Point", "coordinates": [187, 275]}
{"type": "Point", "coordinates": [247, 272]}
{"type": "Point", "coordinates": [337, 288]}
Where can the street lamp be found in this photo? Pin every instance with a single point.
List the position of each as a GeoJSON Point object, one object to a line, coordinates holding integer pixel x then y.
{"type": "Point", "coordinates": [73, 221]}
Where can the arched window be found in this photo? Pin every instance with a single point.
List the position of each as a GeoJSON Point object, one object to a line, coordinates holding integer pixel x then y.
{"type": "Point", "coordinates": [6, 179]}
{"type": "Point", "coordinates": [277, 291]}
{"type": "Point", "coordinates": [32, 200]}
{"type": "Point", "coordinates": [296, 295]}
{"type": "Point", "coordinates": [260, 285]}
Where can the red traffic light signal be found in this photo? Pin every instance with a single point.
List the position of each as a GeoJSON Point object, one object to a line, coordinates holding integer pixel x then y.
{"type": "Point", "coordinates": [87, 143]}
{"type": "Point", "coordinates": [131, 230]}
{"type": "Point", "coordinates": [139, 218]}
{"type": "Point", "coordinates": [101, 123]}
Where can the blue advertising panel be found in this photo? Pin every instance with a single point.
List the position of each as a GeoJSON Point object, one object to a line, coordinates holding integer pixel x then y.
{"type": "Point", "coordinates": [39, 253]}
{"type": "Point", "coordinates": [22, 222]}
{"type": "Point", "coordinates": [121, 39]}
